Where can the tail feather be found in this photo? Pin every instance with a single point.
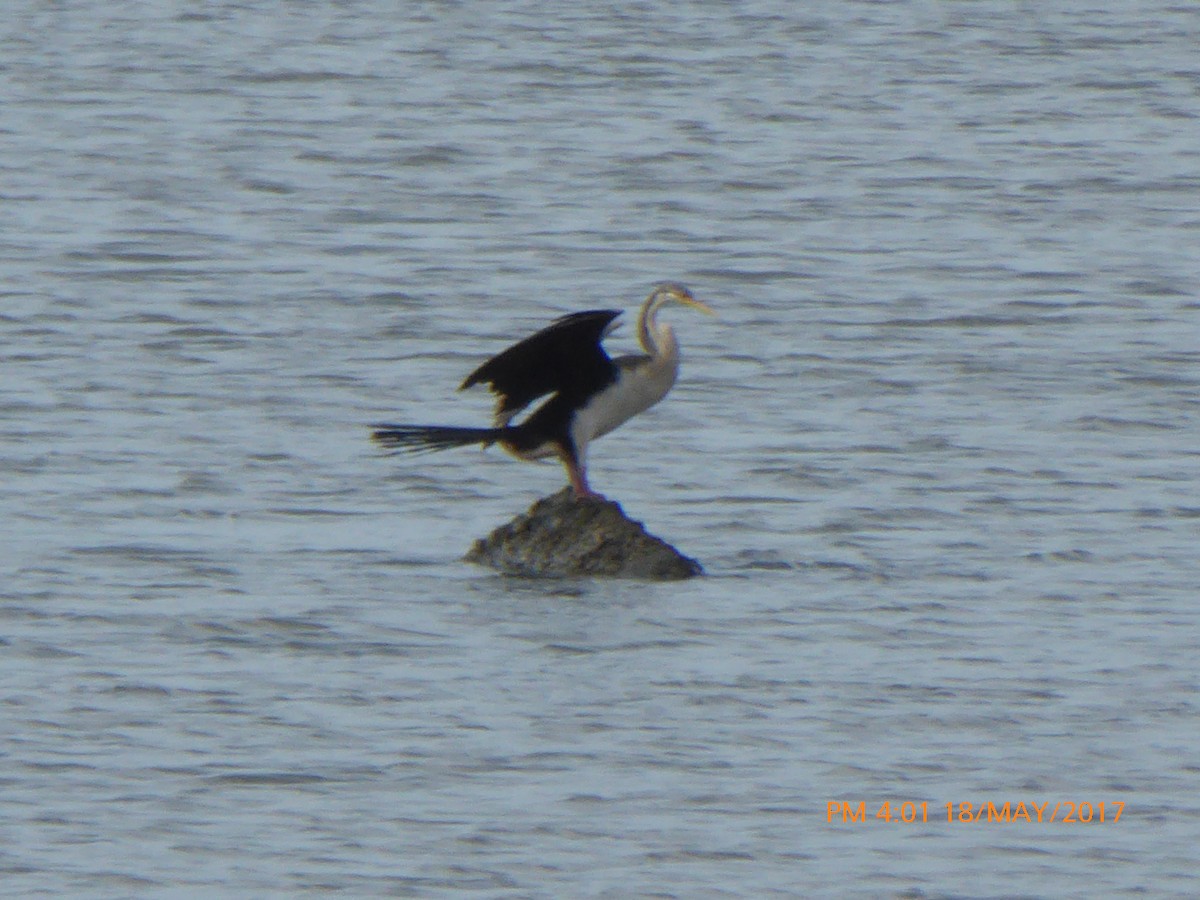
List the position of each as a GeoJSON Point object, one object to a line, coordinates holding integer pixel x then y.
{"type": "Point", "coordinates": [428, 438]}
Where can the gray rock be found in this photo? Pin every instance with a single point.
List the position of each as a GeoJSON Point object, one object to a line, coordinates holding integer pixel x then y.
{"type": "Point", "coordinates": [563, 536]}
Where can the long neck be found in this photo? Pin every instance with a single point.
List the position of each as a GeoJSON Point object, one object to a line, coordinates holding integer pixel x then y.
{"type": "Point", "coordinates": [657, 340]}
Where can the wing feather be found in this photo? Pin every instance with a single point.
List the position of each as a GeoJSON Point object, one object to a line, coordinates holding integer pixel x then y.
{"type": "Point", "coordinates": [566, 357]}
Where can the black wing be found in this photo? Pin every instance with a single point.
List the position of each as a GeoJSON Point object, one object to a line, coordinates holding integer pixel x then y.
{"type": "Point", "coordinates": [565, 357]}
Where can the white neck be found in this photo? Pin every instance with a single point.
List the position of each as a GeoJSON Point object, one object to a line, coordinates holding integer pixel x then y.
{"type": "Point", "coordinates": [657, 340]}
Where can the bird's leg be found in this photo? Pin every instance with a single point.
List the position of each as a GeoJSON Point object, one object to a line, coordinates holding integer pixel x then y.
{"type": "Point", "coordinates": [579, 483]}
{"type": "Point", "coordinates": [578, 476]}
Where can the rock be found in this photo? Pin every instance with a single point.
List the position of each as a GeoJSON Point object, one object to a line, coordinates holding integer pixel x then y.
{"type": "Point", "coordinates": [563, 536]}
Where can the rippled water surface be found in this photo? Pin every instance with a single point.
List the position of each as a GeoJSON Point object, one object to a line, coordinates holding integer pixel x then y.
{"type": "Point", "coordinates": [938, 453]}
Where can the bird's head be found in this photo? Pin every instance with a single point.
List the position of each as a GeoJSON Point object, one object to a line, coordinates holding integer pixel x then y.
{"type": "Point", "coordinates": [672, 292]}
{"type": "Point", "coordinates": [658, 339]}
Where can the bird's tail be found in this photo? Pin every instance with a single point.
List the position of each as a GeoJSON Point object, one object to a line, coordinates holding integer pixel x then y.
{"type": "Point", "coordinates": [427, 438]}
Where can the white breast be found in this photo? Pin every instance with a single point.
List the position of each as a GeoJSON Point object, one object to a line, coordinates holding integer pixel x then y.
{"type": "Point", "coordinates": [639, 386]}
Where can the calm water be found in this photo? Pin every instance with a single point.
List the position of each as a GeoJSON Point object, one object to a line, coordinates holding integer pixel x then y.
{"type": "Point", "coordinates": [938, 454]}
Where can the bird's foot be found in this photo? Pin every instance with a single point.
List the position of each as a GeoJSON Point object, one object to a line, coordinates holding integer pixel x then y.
{"type": "Point", "coordinates": [586, 493]}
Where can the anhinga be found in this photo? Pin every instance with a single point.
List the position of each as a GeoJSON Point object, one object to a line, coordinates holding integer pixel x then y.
{"type": "Point", "coordinates": [589, 393]}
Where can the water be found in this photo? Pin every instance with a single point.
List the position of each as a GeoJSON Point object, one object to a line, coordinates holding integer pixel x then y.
{"type": "Point", "coordinates": [937, 454]}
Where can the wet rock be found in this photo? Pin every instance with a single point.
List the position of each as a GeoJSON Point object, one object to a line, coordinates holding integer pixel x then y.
{"type": "Point", "coordinates": [561, 535]}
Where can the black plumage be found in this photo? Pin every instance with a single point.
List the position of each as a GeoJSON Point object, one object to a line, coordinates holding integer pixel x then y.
{"type": "Point", "coordinates": [565, 358]}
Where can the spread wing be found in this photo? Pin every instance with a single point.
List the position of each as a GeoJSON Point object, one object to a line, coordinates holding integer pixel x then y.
{"type": "Point", "coordinates": [565, 358]}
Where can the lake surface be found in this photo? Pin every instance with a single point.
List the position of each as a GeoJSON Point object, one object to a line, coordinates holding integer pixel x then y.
{"type": "Point", "coordinates": [938, 454]}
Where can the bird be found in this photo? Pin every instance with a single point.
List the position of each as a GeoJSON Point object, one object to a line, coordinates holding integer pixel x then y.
{"type": "Point", "coordinates": [588, 393]}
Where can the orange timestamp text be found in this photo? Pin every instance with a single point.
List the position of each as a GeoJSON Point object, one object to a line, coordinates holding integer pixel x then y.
{"type": "Point", "coordinates": [1066, 812]}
